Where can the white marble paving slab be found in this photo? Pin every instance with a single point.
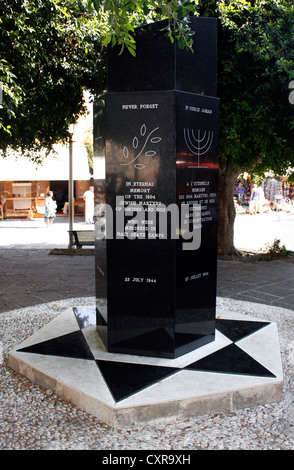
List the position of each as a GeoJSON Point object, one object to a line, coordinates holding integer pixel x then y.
{"type": "Point", "coordinates": [186, 391]}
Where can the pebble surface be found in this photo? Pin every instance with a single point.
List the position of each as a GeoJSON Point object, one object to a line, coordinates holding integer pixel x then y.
{"type": "Point", "coordinates": [33, 418]}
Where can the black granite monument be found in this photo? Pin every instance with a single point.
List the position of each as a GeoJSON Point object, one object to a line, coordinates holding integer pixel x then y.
{"type": "Point", "coordinates": [156, 261]}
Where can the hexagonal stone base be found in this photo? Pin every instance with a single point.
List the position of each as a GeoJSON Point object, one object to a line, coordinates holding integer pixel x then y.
{"type": "Point", "coordinates": [241, 368]}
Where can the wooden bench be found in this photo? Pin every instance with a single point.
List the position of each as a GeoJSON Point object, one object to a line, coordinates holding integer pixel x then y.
{"type": "Point", "coordinates": [82, 238]}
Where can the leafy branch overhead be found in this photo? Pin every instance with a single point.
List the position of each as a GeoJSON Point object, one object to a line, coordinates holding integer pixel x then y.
{"type": "Point", "coordinates": [122, 16]}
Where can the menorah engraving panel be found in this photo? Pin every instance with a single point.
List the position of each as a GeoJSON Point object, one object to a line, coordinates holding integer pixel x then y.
{"type": "Point", "coordinates": [161, 252]}
{"type": "Point", "coordinates": [197, 186]}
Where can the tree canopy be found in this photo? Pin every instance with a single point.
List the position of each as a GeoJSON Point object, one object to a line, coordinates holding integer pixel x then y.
{"type": "Point", "coordinates": [256, 65]}
{"type": "Point", "coordinates": [51, 49]}
{"type": "Point", "coordinates": [48, 53]}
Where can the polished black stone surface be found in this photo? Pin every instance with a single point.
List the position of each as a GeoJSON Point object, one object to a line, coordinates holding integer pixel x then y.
{"type": "Point", "coordinates": [197, 186]}
{"type": "Point", "coordinates": [161, 150]}
{"type": "Point", "coordinates": [161, 65]}
{"type": "Point", "coordinates": [125, 379]}
{"type": "Point", "coordinates": [236, 330]}
{"type": "Point", "coordinates": [233, 360]}
{"type": "Point", "coordinates": [70, 345]}
{"type": "Point", "coordinates": [159, 133]}
{"type": "Point", "coordinates": [99, 209]}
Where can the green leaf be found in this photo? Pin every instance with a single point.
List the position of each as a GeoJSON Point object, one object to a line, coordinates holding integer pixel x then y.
{"type": "Point", "coordinates": [107, 40]}
{"type": "Point", "coordinates": [132, 51]}
{"type": "Point", "coordinates": [96, 5]}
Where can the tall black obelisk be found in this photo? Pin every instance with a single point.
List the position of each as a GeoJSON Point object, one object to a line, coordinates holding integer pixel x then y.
{"type": "Point", "coordinates": [156, 290]}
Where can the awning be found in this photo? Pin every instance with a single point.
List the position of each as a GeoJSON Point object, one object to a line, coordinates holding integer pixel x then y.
{"type": "Point", "coordinates": [55, 167]}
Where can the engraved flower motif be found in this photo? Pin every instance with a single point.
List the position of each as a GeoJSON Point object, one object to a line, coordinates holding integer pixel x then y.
{"type": "Point", "coordinates": [141, 149]}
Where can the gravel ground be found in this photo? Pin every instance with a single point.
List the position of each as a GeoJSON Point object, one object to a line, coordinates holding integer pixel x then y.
{"type": "Point", "coordinates": [33, 418]}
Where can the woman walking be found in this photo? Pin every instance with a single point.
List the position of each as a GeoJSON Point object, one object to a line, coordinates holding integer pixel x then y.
{"type": "Point", "coordinates": [50, 209]}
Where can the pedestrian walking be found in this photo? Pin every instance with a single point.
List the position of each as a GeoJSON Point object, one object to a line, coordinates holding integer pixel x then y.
{"type": "Point", "coordinates": [88, 197]}
{"type": "Point", "coordinates": [254, 198]}
{"type": "Point", "coordinates": [50, 209]}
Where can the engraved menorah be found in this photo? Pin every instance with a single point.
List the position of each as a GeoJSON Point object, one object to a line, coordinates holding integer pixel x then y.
{"type": "Point", "coordinates": [198, 142]}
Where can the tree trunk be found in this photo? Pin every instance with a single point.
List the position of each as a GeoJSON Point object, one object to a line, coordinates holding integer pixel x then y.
{"type": "Point", "coordinates": [226, 212]}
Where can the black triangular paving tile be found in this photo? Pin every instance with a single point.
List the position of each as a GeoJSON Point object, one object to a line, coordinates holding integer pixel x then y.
{"type": "Point", "coordinates": [238, 329]}
{"type": "Point", "coordinates": [231, 360]}
{"type": "Point", "coordinates": [126, 379]}
{"type": "Point", "coordinates": [70, 345]}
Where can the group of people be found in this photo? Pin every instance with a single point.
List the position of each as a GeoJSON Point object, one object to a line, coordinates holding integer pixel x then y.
{"type": "Point", "coordinates": [257, 200]}
{"type": "Point", "coordinates": [51, 207]}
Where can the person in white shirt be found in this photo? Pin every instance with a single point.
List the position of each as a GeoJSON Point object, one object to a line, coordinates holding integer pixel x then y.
{"type": "Point", "coordinates": [88, 197]}
{"type": "Point", "coordinates": [50, 209]}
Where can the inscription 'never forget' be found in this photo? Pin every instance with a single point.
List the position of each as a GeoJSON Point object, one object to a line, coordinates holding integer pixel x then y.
{"type": "Point", "coordinates": [140, 106]}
